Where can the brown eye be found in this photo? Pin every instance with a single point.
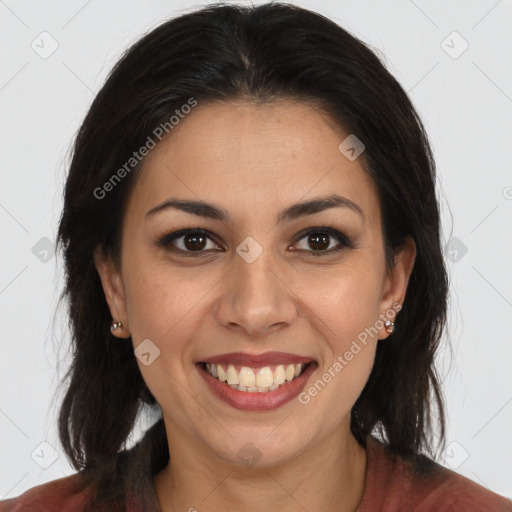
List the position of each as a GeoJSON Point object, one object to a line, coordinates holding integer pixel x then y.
{"type": "Point", "coordinates": [194, 242]}
{"type": "Point", "coordinates": [316, 241]}
{"type": "Point", "coordinates": [319, 242]}
{"type": "Point", "coordinates": [189, 241]}
{"type": "Point", "coordinates": [322, 240]}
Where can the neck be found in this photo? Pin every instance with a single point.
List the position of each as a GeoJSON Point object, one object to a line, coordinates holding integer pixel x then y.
{"type": "Point", "coordinates": [329, 476]}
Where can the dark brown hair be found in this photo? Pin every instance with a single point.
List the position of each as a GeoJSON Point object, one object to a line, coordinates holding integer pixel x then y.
{"type": "Point", "coordinates": [265, 53]}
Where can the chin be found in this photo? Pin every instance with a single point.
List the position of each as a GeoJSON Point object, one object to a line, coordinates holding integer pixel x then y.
{"type": "Point", "coordinates": [257, 450]}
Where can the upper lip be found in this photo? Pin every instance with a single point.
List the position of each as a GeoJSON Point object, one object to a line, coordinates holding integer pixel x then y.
{"type": "Point", "coordinates": [257, 360]}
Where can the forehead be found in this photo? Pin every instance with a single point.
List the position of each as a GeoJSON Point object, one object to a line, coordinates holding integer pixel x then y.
{"type": "Point", "coordinates": [261, 156]}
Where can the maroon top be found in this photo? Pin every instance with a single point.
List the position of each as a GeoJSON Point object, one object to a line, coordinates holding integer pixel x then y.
{"type": "Point", "coordinates": [392, 485]}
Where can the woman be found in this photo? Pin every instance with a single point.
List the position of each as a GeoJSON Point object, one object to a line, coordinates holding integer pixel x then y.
{"type": "Point", "coordinates": [251, 240]}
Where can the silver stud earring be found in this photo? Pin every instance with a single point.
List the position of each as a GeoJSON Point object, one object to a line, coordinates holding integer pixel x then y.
{"type": "Point", "coordinates": [116, 326]}
{"type": "Point", "coordinates": [389, 325]}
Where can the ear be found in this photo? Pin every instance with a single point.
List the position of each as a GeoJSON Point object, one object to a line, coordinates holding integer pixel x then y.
{"type": "Point", "coordinates": [396, 281]}
{"type": "Point", "coordinates": [114, 291]}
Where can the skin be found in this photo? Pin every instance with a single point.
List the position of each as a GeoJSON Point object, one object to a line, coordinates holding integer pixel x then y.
{"type": "Point", "coordinates": [254, 161]}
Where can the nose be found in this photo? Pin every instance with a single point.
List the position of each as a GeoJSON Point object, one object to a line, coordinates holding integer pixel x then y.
{"type": "Point", "coordinates": [256, 299]}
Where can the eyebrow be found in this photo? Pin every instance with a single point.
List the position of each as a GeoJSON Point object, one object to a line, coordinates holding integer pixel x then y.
{"type": "Point", "coordinates": [295, 211]}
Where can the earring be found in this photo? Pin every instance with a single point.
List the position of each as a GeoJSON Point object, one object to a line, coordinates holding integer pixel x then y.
{"type": "Point", "coordinates": [389, 325]}
{"type": "Point", "coordinates": [116, 326]}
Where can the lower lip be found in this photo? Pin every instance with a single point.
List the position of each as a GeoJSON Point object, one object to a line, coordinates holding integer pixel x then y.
{"type": "Point", "coordinates": [258, 401]}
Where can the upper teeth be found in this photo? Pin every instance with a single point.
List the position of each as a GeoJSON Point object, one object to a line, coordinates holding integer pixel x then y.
{"type": "Point", "coordinates": [249, 379]}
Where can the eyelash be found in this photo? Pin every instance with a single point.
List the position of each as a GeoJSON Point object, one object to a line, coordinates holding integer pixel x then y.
{"type": "Point", "coordinates": [344, 242]}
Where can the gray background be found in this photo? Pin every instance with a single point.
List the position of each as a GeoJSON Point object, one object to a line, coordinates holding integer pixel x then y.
{"type": "Point", "coordinates": [464, 96]}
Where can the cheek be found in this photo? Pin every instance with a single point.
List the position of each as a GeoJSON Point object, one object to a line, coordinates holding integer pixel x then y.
{"type": "Point", "coordinates": [164, 305]}
{"type": "Point", "coordinates": [333, 391]}
{"type": "Point", "coordinates": [347, 302]}
{"type": "Point", "coordinates": [346, 312]}
{"type": "Point", "coordinates": [160, 300]}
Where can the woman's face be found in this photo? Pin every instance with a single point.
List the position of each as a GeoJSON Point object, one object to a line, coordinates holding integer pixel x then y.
{"type": "Point", "coordinates": [256, 281]}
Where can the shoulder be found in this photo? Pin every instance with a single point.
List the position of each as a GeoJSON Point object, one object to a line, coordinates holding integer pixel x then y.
{"type": "Point", "coordinates": [438, 488]}
{"type": "Point", "coordinates": [62, 495]}
{"type": "Point", "coordinates": [395, 484]}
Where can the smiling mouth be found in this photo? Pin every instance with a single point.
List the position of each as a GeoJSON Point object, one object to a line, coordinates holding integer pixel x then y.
{"type": "Point", "coordinates": [255, 380]}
